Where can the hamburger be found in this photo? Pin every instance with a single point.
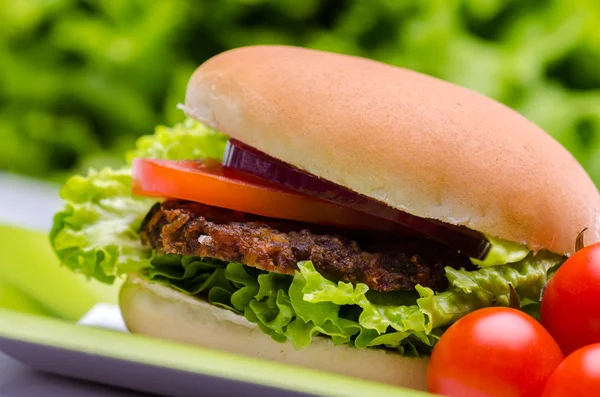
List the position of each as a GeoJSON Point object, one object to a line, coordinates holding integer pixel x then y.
{"type": "Point", "coordinates": [327, 211]}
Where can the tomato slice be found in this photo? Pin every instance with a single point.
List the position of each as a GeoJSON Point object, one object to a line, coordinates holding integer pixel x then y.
{"type": "Point", "coordinates": [207, 182]}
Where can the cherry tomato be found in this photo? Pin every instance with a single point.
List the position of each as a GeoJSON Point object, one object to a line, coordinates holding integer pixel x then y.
{"type": "Point", "coordinates": [495, 351]}
{"type": "Point", "coordinates": [209, 183]}
{"type": "Point", "coordinates": [570, 310]}
{"type": "Point", "coordinates": [577, 376]}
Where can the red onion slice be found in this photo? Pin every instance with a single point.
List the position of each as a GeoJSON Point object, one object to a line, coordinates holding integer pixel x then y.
{"type": "Point", "coordinates": [241, 157]}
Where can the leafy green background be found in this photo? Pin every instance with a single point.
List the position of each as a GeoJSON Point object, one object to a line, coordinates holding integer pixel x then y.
{"type": "Point", "coordinates": [80, 79]}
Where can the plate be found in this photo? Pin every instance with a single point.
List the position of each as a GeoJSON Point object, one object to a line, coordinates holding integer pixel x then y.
{"type": "Point", "coordinates": [157, 366]}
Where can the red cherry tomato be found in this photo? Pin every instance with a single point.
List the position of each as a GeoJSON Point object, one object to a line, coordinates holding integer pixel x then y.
{"type": "Point", "coordinates": [570, 308]}
{"type": "Point", "coordinates": [577, 376]}
{"type": "Point", "coordinates": [495, 351]}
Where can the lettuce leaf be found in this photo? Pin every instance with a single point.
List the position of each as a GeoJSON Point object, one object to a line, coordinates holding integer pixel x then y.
{"type": "Point", "coordinates": [487, 287]}
{"type": "Point", "coordinates": [96, 233]}
{"type": "Point", "coordinates": [187, 140]}
{"type": "Point", "coordinates": [300, 307]}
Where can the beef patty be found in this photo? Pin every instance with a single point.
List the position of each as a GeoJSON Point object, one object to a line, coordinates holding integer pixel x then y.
{"type": "Point", "coordinates": [383, 261]}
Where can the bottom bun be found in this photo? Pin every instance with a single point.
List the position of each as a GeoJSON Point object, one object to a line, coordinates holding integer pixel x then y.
{"type": "Point", "coordinates": [156, 310]}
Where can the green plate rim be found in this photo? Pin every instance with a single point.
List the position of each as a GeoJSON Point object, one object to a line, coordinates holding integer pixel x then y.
{"type": "Point", "coordinates": [96, 341]}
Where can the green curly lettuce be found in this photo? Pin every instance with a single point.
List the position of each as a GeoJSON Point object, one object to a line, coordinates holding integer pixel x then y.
{"type": "Point", "coordinates": [96, 233]}
{"type": "Point", "coordinates": [297, 308]}
{"type": "Point", "coordinates": [472, 290]}
{"type": "Point", "coordinates": [187, 140]}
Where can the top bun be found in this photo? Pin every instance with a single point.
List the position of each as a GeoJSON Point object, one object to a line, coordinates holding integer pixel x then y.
{"type": "Point", "coordinates": [417, 143]}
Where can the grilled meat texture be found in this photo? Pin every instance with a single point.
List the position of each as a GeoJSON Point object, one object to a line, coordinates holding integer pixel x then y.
{"type": "Point", "coordinates": [383, 261]}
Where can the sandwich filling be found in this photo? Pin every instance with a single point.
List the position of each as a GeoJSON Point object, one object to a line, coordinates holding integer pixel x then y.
{"type": "Point", "coordinates": [368, 289]}
{"type": "Point", "coordinates": [382, 261]}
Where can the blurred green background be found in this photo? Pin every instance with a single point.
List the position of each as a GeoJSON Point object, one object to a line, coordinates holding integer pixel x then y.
{"type": "Point", "coordinates": [80, 80]}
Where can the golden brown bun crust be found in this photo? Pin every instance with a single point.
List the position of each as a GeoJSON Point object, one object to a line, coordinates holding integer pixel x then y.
{"type": "Point", "coordinates": [417, 143]}
{"type": "Point", "coordinates": [159, 311]}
